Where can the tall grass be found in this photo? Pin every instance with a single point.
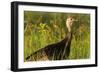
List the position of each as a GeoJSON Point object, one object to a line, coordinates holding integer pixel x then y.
{"type": "Point", "coordinates": [37, 36]}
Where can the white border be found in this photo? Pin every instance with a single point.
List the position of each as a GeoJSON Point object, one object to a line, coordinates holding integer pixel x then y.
{"type": "Point", "coordinates": [22, 64]}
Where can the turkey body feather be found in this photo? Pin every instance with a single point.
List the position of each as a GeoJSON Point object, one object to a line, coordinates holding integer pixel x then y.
{"type": "Point", "coordinates": [56, 51]}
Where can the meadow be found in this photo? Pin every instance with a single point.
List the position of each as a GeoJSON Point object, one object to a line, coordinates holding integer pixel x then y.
{"type": "Point", "coordinates": [44, 28]}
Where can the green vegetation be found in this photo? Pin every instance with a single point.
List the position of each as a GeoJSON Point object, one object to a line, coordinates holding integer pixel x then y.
{"type": "Point", "coordinates": [44, 28]}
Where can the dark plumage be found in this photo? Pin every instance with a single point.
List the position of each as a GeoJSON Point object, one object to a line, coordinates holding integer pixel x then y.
{"type": "Point", "coordinates": [56, 51]}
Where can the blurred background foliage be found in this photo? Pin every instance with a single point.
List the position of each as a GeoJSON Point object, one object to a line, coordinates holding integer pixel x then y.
{"type": "Point", "coordinates": [44, 28]}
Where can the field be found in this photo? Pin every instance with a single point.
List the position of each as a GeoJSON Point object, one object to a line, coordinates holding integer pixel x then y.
{"type": "Point", "coordinates": [44, 28]}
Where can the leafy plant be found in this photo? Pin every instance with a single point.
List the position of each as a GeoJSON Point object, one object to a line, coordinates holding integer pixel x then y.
{"type": "Point", "coordinates": [44, 28]}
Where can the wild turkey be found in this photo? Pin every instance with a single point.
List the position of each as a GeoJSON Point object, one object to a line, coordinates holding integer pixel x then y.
{"type": "Point", "coordinates": [56, 51]}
